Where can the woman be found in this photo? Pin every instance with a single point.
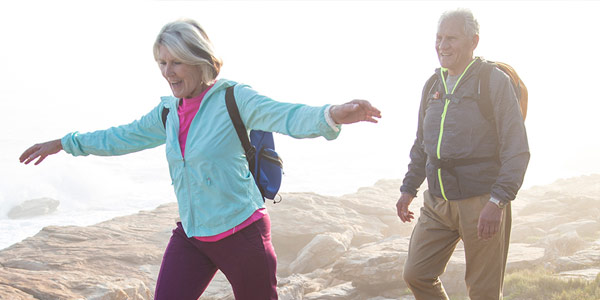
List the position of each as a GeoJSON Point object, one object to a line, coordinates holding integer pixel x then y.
{"type": "Point", "coordinates": [224, 224]}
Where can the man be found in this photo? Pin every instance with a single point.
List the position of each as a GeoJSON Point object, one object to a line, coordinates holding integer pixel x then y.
{"type": "Point", "coordinates": [474, 167]}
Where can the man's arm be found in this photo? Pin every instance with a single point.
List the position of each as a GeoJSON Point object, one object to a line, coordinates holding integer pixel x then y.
{"type": "Point", "coordinates": [513, 153]}
{"type": "Point", "coordinates": [418, 159]}
{"type": "Point", "coordinates": [512, 138]}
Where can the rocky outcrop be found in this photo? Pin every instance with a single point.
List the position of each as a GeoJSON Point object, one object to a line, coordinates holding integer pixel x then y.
{"type": "Point", "coordinates": [33, 208]}
{"type": "Point", "coordinates": [350, 247]}
{"type": "Point", "coordinates": [117, 259]}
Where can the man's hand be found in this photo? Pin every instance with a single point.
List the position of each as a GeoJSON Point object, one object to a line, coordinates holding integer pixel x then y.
{"type": "Point", "coordinates": [354, 111]}
{"type": "Point", "coordinates": [402, 207]}
{"type": "Point", "coordinates": [40, 150]}
{"type": "Point", "coordinates": [489, 221]}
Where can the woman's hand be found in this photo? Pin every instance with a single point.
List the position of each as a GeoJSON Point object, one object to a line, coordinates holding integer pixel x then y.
{"type": "Point", "coordinates": [354, 111]}
{"type": "Point", "coordinates": [40, 150]}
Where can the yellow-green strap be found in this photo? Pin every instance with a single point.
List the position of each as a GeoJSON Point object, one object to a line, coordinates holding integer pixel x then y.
{"type": "Point", "coordinates": [446, 102]}
{"type": "Point", "coordinates": [442, 70]}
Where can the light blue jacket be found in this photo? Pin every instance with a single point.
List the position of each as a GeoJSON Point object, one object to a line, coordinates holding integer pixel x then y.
{"type": "Point", "coordinates": [214, 187]}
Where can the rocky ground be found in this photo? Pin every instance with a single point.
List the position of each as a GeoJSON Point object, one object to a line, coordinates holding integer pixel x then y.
{"type": "Point", "coordinates": [350, 247]}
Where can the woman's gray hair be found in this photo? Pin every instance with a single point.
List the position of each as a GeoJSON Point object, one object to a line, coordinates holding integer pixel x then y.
{"type": "Point", "coordinates": [464, 14]}
{"type": "Point", "coordinates": [187, 41]}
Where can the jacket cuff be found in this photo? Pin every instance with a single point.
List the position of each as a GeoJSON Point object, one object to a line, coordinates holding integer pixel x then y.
{"type": "Point", "coordinates": [69, 144]}
{"type": "Point", "coordinates": [408, 190]}
{"type": "Point", "coordinates": [329, 119]}
{"type": "Point", "coordinates": [325, 129]}
{"type": "Point", "coordinates": [499, 198]}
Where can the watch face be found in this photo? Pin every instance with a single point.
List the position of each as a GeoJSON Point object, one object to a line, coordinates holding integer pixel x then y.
{"type": "Point", "coordinates": [498, 203]}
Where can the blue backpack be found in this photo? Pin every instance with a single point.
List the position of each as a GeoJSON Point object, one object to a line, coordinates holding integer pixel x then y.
{"type": "Point", "coordinates": [265, 164]}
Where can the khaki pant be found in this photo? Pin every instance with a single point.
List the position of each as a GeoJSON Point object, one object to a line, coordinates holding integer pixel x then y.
{"type": "Point", "coordinates": [439, 228]}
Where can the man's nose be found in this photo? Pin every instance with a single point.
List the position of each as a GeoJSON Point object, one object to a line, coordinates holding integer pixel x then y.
{"type": "Point", "coordinates": [443, 44]}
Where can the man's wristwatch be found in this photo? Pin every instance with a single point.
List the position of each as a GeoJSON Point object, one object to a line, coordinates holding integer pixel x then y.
{"type": "Point", "coordinates": [500, 204]}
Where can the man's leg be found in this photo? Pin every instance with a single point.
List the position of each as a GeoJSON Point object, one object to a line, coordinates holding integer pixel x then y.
{"type": "Point", "coordinates": [433, 241]}
{"type": "Point", "coordinates": [485, 260]}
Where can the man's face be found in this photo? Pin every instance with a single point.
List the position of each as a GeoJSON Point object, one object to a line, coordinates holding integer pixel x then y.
{"type": "Point", "coordinates": [454, 48]}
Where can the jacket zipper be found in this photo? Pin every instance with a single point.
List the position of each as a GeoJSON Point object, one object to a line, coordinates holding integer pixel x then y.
{"type": "Point", "coordinates": [439, 145]}
{"type": "Point", "coordinates": [444, 113]}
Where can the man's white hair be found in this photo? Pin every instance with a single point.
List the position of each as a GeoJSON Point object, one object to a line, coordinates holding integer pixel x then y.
{"type": "Point", "coordinates": [471, 25]}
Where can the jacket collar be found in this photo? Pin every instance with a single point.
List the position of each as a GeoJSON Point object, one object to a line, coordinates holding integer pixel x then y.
{"type": "Point", "coordinates": [472, 71]}
{"type": "Point", "coordinates": [221, 84]}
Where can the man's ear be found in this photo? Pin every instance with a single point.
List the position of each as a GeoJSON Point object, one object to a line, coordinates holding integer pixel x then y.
{"type": "Point", "coordinates": [475, 42]}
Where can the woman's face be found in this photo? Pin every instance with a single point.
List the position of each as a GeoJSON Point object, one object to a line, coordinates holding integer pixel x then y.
{"type": "Point", "coordinates": [185, 80]}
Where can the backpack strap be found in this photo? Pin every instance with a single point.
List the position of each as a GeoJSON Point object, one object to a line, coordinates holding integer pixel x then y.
{"type": "Point", "coordinates": [165, 112]}
{"type": "Point", "coordinates": [429, 86]}
{"type": "Point", "coordinates": [234, 115]}
{"type": "Point", "coordinates": [485, 98]}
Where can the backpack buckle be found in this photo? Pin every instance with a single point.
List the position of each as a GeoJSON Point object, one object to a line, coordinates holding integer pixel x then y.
{"type": "Point", "coordinates": [446, 163]}
{"type": "Point", "coordinates": [251, 153]}
{"type": "Point", "coordinates": [443, 163]}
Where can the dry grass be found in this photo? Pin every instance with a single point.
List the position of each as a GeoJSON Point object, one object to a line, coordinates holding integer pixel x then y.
{"type": "Point", "coordinates": [541, 285]}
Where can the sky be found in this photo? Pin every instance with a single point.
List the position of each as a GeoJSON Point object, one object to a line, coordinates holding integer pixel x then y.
{"type": "Point", "coordinates": [87, 65]}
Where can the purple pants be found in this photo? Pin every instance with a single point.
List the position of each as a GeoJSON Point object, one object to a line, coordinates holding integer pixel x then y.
{"type": "Point", "coordinates": [247, 259]}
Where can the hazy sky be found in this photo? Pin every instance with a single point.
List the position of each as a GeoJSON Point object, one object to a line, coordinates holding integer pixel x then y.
{"type": "Point", "coordinates": [86, 65]}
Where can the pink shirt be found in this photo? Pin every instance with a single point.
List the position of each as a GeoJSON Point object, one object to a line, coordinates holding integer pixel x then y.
{"type": "Point", "coordinates": [257, 215]}
{"type": "Point", "coordinates": [186, 112]}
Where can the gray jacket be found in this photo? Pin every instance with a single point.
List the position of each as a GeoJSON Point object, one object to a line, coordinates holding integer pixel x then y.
{"type": "Point", "coordinates": [497, 148]}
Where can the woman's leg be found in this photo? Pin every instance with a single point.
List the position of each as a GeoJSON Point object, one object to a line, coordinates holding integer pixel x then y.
{"type": "Point", "coordinates": [185, 271]}
{"type": "Point", "coordinates": [248, 260]}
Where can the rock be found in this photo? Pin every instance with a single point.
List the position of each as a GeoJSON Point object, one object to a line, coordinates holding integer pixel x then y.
{"type": "Point", "coordinates": [374, 267]}
{"type": "Point", "coordinates": [323, 250]}
{"type": "Point", "coordinates": [585, 274]}
{"type": "Point", "coordinates": [563, 244]}
{"type": "Point", "coordinates": [8, 292]}
{"type": "Point", "coordinates": [103, 261]}
{"type": "Point", "coordinates": [218, 289]}
{"type": "Point", "coordinates": [291, 287]}
{"type": "Point", "coordinates": [351, 247]}
{"type": "Point", "coordinates": [395, 298]}
{"type": "Point", "coordinates": [302, 216]}
{"type": "Point", "coordinates": [526, 233]}
{"type": "Point", "coordinates": [339, 292]}
{"type": "Point", "coordinates": [523, 256]}
{"type": "Point", "coordinates": [583, 228]}
{"type": "Point", "coordinates": [33, 208]}
{"type": "Point", "coordinates": [580, 260]}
